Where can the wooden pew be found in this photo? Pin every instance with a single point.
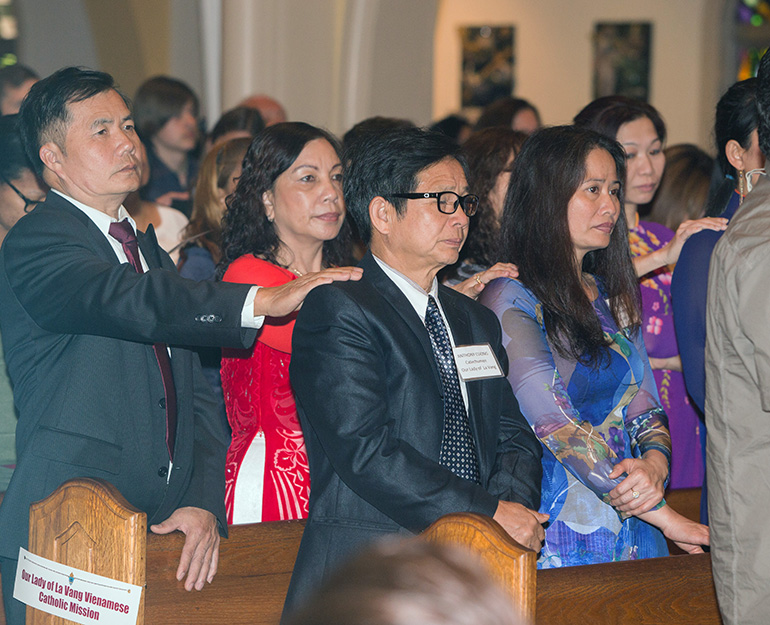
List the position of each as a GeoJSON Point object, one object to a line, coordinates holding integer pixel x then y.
{"type": "Point", "coordinates": [510, 564]}
{"type": "Point", "coordinates": [657, 591]}
{"type": "Point", "coordinates": [256, 563]}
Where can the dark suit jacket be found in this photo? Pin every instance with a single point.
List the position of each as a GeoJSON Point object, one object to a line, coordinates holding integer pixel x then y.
{"type": "Point", "coordinates": [370, 402]}
{"type": "Point", "coordinates": [78, 328]}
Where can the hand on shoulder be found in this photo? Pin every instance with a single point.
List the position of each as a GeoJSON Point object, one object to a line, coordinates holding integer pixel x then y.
{"type": "Point", "coordinates": [279, 301]}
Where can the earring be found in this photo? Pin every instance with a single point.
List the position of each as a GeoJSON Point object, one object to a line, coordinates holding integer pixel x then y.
{"type": "Point", "coordinates": [741, 193]}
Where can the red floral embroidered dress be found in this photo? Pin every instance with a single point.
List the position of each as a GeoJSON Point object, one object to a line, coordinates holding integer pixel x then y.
{"type": "Point", "coordinates": [267, 475]}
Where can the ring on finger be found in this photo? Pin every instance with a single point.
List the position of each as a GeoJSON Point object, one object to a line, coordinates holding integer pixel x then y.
{"type": "Point", "coordinates": [478, 279]}
{"type": "Point", "coordinates": [635, 494]}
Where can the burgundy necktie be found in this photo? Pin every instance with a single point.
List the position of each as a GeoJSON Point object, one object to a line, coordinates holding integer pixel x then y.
{"type": "Point", "coordinates": [124, 233]}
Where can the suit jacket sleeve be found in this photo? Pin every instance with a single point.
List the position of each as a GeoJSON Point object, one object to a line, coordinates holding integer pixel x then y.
{"type": "Point", "coordinates": [207, 486]}
{"type": "Point", "coordinates": [355, 408]}
{"type": "Point", "coordinates": [60, 272]}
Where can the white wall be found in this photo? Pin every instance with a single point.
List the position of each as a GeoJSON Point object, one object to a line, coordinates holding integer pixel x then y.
{"type": "Point", "coordinates": [331, 62]}
{"type": "Point", "coordinates": [554, 55]}
{"type": "Point", "coordinates": [55, 34]}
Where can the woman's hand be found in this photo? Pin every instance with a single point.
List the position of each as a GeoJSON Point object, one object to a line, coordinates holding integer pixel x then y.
{"type": "Point", "coordinates": [643, 489]}
{"type": "Point", "coordinates": [688, 535]}
{"type": "Point", "coordinates": [688, 228]}
{"type": "Point", "coordinates": [669, 253]}
{"type": "Point", "coordinates": [473, 286]}
{"type": "Point", "coordinates": [672, 363]}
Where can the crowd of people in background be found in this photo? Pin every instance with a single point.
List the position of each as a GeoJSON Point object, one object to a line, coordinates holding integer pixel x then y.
{"type": "Point", "coordinates": [590, 243]}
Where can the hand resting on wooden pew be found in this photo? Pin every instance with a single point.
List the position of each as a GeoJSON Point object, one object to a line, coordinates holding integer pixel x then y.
{"type": "Point", "coordinates": [524, 525]}
{"type": "Point", "coordinates": [688, 535]}
{"type": "Point", "coordinates": [200, 554]}
{"type": "Point", "coordinates": [646, 477]}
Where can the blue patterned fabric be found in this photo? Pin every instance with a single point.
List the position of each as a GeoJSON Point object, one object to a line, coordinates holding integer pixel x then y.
{"type": "Point", "coordinates": [587, 419]}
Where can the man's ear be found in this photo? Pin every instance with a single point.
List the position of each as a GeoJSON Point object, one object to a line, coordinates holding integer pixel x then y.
{"type": "Point", "coordinates": [51, 155]}
{"type": "Point", "coordinates": [381, 215]}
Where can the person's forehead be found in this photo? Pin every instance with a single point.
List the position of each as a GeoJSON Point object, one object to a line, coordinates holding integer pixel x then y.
{"type": "Point", "coordinates": [107, 105]}
{"type": "Point", "coordinates": [445, 171]}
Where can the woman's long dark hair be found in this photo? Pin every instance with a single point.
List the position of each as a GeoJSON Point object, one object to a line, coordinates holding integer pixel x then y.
{"type": "Point", "coordinates": [607, 114]}
{"type": "Point", "coordinates": [535, 236]}
{"type": "Point", "coordinates": [736, 118]}
{"type": "Point", "coordinates": [245, 226]}
{"type": "Point", "coordinates": [488, 152]}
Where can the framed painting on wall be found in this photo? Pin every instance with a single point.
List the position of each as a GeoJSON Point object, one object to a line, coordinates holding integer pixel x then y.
{"type": "Point", "coordinates": [487, 64]}
{"type": "Point", "coordinates": [622, 59]}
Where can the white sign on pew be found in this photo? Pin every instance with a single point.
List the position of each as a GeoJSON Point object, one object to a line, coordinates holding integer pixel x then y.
{"type": "Point", "coordinates": [74, 594]}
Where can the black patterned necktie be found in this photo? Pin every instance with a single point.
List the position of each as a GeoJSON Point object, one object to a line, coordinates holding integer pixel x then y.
{"type": "Point", "coordinates": [124, 233]}
{"type": "Point", "coordinates": [458, 449]}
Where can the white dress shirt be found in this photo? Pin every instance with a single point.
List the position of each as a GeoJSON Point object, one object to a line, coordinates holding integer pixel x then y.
{"type": "Point", "coordinates": [103, 221]}
{"type": "Point", "coordinates": [418, 298]}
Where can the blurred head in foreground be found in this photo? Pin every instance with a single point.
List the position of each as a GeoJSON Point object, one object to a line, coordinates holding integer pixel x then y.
{"type": "Point", "coordinates": [409, 582]}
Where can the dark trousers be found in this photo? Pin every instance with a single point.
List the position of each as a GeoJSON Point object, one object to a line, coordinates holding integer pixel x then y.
{"type": "Point", "coordinates": [15, 611]}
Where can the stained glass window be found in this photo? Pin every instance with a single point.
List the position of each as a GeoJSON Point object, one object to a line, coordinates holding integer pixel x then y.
{"type": "Point", "coordinates": [752, 19]}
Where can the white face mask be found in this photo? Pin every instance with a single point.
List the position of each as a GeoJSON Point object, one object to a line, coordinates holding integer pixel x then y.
{"type": "Point", "coordinates": [750, 177]}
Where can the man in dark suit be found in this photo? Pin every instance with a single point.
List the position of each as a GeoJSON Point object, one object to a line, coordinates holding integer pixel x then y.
{"type": "Point", "coordinates": [395, 439]}
{"type": "Point", "coordinates": [92, 326]}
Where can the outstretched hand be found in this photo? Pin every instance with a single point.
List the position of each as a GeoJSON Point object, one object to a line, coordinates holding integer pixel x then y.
{"type": "Point", "coordinates": [473, 286]}
{"type": "Point", "coordinates": [200, 554]}
{"type": "Point", "coordinates": [688, 228]}
{"type": "Point", "coordinates": [669, 253]}
{"type": "Point", "coordinates": [279, 301]}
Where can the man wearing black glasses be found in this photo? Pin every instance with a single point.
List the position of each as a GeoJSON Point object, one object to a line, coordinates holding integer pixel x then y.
{"type": "Point", "coordinates": [400, 381]}
{"type": "Point", "coordinates": [20, 189]}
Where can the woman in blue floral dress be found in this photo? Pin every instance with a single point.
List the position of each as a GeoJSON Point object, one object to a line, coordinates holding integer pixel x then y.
{"type": "Point", "coordinates": [655, 249]}
{"type": "Point", "coordinates": [577, 364]}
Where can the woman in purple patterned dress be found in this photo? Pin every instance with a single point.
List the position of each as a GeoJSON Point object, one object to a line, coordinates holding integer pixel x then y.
{"type": "Point", "coordinates": [639, 128]}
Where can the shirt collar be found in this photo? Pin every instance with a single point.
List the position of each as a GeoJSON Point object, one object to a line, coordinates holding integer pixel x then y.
{"type": "Point", "coordinates": [413, 292]}
{"type": "Point", "coordinates": [100, 219]}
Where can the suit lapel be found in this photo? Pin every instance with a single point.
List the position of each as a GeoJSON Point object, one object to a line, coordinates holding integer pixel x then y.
{"type": "Point", "coordinates": [401, 305]}
{"type": "Point", "coordinates": [148, 243]}
{"type": "Point", "coordinates": [96, 236]}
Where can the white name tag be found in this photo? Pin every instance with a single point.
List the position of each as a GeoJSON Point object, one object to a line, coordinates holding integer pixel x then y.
{"type": "Point", "coordinates": [477, 362]}
{"type": "Point", "coordinates": [73, 594]}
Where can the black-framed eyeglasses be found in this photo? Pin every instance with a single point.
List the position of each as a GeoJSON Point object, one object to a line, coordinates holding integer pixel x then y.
{"type": "Point", "coordinates": [28, 204]}
{"type": "Point", "coordinates": [446, 201]}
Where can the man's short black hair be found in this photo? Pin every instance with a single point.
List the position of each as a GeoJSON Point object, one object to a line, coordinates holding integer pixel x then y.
{"type": "Point", "coordinates": [44, 114]}
{"type": "Point", "coordinates": [389, 162]}
{"type": "Point", "coordinates": [15, 76]}
{"type": "Point", "coordinates": [157, 100]}
{"type": "Point", "coordinates": [241, 118]}
{"type": "Point", "coordinates": [13, 157]}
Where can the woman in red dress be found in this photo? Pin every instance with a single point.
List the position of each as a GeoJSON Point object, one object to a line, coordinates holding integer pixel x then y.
{"type": "Point", "coordinates": [285, 219]}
